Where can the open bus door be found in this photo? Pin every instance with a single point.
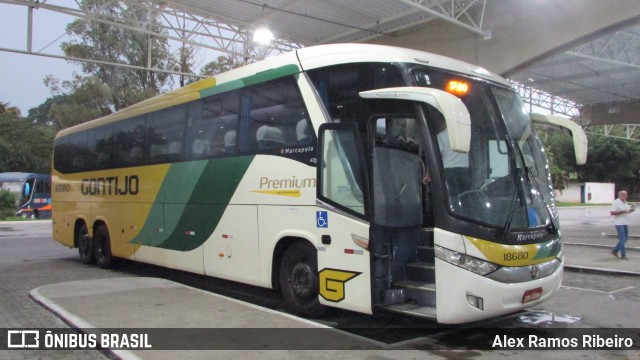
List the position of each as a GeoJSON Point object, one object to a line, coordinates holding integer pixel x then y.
{"type": "Point", "coordinates": [342, 219]}
{"type": "Point", "coordinates": [353, 275]}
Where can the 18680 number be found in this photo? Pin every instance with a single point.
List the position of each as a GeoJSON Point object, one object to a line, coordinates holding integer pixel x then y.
{"type": "Point", "coordinates": [521, 255]}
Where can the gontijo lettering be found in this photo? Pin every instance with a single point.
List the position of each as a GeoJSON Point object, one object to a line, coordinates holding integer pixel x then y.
{"type": "Point", "coordinates": [111, 185]}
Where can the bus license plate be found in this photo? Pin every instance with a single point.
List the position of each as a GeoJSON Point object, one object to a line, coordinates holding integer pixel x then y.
{"type": "Point", "coordinates": [531, 295]}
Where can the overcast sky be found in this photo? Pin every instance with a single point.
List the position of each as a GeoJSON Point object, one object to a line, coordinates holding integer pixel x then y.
{"type": "Point", "coordinates": [21, 75]}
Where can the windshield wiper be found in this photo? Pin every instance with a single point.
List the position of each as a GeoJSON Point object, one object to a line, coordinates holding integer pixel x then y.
{"type": "Point", "coordinates": [514, 200]}
{"type": "Point", "coordinates": [512, 206]}
{"type": "Point", "coordinates": [532, 179]}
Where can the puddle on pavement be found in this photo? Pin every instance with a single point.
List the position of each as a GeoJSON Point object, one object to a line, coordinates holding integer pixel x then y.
{"type": "Point", "coordinates": [546, 318]}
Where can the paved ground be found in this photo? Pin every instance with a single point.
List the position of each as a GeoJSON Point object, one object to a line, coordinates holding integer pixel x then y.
{"type": "Point", "coordinates": [589, 235]}
{"type": "Point", "coordinates": [30, 260]}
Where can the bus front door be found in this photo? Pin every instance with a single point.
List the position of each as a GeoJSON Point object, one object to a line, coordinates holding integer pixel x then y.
{"type": "Point", "coordinates": [341, 220]}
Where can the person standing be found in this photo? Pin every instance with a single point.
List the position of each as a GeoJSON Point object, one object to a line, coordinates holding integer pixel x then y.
{"type": "Point", "coordinates": [620, 209]}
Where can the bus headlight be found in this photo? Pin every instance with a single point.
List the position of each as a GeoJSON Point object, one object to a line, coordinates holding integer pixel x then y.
{"type": "Point", "coordinates": [467, 262]}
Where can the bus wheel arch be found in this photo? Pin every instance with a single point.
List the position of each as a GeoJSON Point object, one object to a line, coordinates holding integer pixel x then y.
{"type": "Point", "coordinates": [83, 241]}
{"type": "Point", "coordinates": [278, 252]}
{"type": "Point", "coordinates": [298, 278]}
{"type": "Point", "coordinates": [102, 245]}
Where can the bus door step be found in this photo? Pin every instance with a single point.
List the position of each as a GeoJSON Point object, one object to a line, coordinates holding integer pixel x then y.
{"type": "Point", "coordinates": [421, 293]}
{"type": "Point", "coordinates": [413, 309]}
{"type": "Point", "coordinates": [421, 272]}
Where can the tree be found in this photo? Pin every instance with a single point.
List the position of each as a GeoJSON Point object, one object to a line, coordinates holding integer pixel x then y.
{"type": "Point", "coordinates": [40, 114]}
{"type": "Point", "coordinates": [613, 160]}
{"type": "Point", "coordinates": [610, 159]}
{"type": "Point", "coordinates": [221, 64]}
{"type": "Point", "coordinates": [6, 108]}
{"type": "Point", "coordinates": [7, 204]}
{"type": "Point", "coordinates": [561, 155]}
{"type": "Point", "coordinates": [76, 101]}
{"type": "Point", "coordinates": [185, 64]}
{"type": "Point", "coordinates": [103, 42]}
{"type": "Point", "coordinates": [24, 146]}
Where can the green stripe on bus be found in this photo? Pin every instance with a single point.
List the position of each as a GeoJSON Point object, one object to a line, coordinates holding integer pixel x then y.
{"type": "Point", "coordinates": [190, 204]}
{"type": "Point", "coordinates": [548, 249]}
{"type": "Point", "coordinates": [251, 80]}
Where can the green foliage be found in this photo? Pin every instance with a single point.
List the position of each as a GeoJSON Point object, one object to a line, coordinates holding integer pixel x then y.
{"type": "Point", "coordinates": [24, 146]}
{"type": "Point", "coordinates": [613, 160]}
{"type": "Point", "coordinates": [221, 64]}
{"type": "Point", "coordinates": [184, 64]}
{"type": "Point", "coordinates": [107, 43]}
{"type": "Point", "coordinates": [559, 149]}
{"type": "Point", "coordinates": [86, 98]}
{"type": "Point", "coordinates": [6, 108]}
{"type": "Point", "coordinates": [609, 159]}
{"type": "Point", "coordinates": [7, 204]}
{"type": "Point", "coordinates": [40, 114]}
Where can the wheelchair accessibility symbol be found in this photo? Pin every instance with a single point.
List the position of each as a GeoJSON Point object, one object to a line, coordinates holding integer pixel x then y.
{"type": "Point", "coordinates": [322, 220]}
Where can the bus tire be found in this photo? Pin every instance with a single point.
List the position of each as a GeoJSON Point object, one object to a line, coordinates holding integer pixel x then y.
{"type": "Point", "coordinates": [299, 282]}
{"type": "Point", "coordinates": [85, 245]}
{"type": "Point", "coordinates": [102, 247]}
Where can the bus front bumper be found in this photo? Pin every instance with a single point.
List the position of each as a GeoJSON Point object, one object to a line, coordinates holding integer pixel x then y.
{"type": "Point", "coordinates": [463, 296]}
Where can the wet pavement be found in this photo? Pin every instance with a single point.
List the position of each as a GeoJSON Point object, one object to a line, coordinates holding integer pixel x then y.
{"type": "Point", "coordinates": [598, 292]}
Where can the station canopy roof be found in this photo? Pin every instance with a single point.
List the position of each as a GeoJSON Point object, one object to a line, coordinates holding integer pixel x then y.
{"type": "Point", "coordinates": [606, 69]}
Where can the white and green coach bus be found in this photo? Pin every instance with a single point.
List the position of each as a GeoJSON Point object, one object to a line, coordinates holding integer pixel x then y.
{"type": "Point", "coordinates": [356, 176]}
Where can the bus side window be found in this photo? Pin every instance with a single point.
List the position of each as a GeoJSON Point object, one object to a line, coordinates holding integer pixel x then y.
{"type": "Point", "coordinates": [269, 138]}
{"type": "Point", "coordinates": [62, 154]}
{"type": "Point", "coordinates": [165, 135]}
{"type": "Point", "coordinates": [130, 138]}
{"type": "Point", "coordinates": [101, 145]}
{"type": "Point", "coordinates": [28, 187]}
{"type": "Point", "coordinates": [80, 152]}
{"type": "Point", "coordinates": [304, 133]}
{"type": "Point", "coordinates": [341, 179]}
{"type": "Point", "coordinates": [212, 128]}
{"type": "Point", "coordinates": [275, 117]}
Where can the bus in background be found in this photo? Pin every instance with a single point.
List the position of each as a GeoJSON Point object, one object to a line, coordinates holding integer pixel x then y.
{"type": "Point", "coordinates": [357, 176]}
{"type": "Point", "coordinates": [32, 193]}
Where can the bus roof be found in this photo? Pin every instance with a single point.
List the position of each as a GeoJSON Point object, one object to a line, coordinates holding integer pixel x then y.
{"type": "Point", "coordinates": [325, 55]}
{"type": "Point", "coordinates": [21, 176]}
{"type": "Point", "coordinates": [289, 63]}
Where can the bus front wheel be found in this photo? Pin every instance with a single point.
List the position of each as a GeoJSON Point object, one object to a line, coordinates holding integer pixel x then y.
{"type": "Point", "coordinates": [85, 245]}
{"type": "Point", "coordinates": [299, 280]}
{"type": "Point", "coordinates": [102, 246]}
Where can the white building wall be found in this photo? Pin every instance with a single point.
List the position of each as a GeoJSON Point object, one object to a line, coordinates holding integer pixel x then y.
{"type": "Point", "coordinates": [594, 193]}
{"type": "Point", "coordinates": [599, 193]}
{"type": "Point", "coordinates": [570, 194]}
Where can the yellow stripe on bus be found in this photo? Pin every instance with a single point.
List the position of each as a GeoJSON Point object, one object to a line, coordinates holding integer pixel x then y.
{"type": "Point", "coordinates": [512, 255]}
{"type": "Point", "coordinates": [122, 198]}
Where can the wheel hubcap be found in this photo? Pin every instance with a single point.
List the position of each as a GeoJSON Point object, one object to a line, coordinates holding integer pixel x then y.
{"type": "Point", "coordinates": [302, 280]}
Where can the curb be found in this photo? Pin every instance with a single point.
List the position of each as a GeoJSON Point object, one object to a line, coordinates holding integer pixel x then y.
{"type": "Point", "coordinates": [590, 270]}
{"type": "Point", "coordinates": [630, 236]}
{"type": "Point", "coordinates": [74, 322]}
{"type": "Point", "coordinates": [600, 246]}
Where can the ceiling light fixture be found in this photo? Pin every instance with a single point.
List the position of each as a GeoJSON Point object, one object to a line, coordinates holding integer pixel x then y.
{"type": "Point", "coordinates": [262, 35]}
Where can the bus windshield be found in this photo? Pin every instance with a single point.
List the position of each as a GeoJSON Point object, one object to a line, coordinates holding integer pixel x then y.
{"type": "Point", "coordinates": [503, 181]}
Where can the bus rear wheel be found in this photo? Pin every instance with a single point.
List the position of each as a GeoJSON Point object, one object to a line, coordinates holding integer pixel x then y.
{"type": "Point", "coordinates": [102, 246]}
{"type": "Point", "coordinates": [85, 245]}
{"type": "Point", "coordinates": [299, 280]}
